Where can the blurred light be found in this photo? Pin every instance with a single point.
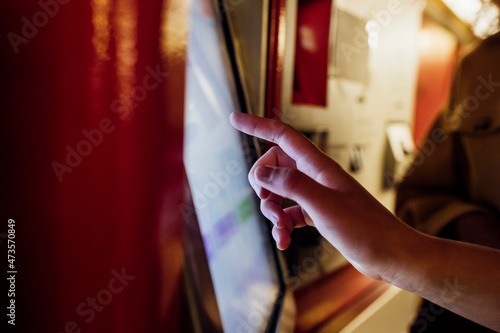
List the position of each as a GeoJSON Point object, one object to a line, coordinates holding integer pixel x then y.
{"type": "Point", "coordinates": [125, 25]}
{"type": "Point", "coordinates": [466, 10]}
{"type": "Point", "coordinates": [307, 39]}
{"type": "Point", "coordinates": [373, 30]}
{"type": "Point", "coordinates": [101, 38]}
{"type": "Point", "coordinates": [100, 19]}
{"type": "Point", "coordinates": [483, 22]}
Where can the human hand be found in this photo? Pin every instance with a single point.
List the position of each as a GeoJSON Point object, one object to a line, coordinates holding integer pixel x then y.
{"type": "Point", "coordinates": [328, 198]}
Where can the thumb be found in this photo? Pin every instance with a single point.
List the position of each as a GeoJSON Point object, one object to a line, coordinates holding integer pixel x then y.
{"type": "Point", "coordinates": [292, 184]}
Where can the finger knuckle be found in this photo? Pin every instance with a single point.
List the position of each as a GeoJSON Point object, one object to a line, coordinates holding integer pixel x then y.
{"type": "Point", "coordinates": [281, 131]}
{"type": "Point", "coordinates": [291, 179]}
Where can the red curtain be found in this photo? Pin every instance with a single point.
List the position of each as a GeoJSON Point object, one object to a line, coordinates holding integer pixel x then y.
{"type": "Point", "coordinates": [92, 111]}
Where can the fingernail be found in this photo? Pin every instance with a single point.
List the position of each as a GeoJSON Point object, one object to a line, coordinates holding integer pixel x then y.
{"type": "Point", "coordinates": [264, 173]}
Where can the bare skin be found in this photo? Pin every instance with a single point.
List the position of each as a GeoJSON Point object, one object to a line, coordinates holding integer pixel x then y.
{"type": "Point", "coordinates": [461, 277]}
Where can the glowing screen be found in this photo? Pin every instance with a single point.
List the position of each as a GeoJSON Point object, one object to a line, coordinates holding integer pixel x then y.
{"type": "Point", "coordinates": [238, 249]}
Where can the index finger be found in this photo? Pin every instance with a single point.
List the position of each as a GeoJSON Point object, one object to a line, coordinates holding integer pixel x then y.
{"type": "Point", "coordinates": [308, 157]}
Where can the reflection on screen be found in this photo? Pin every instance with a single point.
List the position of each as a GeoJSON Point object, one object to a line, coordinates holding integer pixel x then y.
{"type": "Point", "coordinates": [241, 264]}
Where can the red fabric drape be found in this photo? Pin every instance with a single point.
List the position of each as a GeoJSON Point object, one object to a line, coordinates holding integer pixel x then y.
{"type": "Point", "coordinates": [92, 111]}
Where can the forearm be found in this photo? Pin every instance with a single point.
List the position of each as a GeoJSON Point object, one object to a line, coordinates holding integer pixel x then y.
{"type": "Point", "coordinates": [461, 277]}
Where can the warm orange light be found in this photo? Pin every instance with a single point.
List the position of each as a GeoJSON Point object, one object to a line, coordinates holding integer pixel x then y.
{"type": "Point", "coordinates": [281, 38]}
{"type": "Point", "coordinates": [100, 20]}
{"type": "Point", "coordinates": [125, 25]}
{"type": "Point", "coordinates": [173, 36]}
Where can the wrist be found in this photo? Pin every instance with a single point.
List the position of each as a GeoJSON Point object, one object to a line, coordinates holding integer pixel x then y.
{"type": "Point", "coordinates": [407, 259]}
